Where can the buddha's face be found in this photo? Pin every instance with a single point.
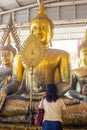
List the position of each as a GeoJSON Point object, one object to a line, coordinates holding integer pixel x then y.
{"type": "Point", "coordinates": [5, 57]}
{"type": "Point", "coordinates": [83, 56]}
{"type": "Point", "coordinates": [42, 30]}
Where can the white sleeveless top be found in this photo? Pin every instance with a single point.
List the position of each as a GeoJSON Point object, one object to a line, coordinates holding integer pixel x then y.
{"type": "Point", "coordinates": [53, 110]}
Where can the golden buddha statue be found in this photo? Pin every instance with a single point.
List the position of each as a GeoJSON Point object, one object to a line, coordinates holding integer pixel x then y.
{"type": "Point", "coordinates": [54, 68]}
{"type": "Point", "coordinates": [79, 75]}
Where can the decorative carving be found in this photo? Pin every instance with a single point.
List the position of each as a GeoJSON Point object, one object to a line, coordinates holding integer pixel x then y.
{"type": "Point", "coordinates": [32, 52]}
{"type": "Point", "coordinates": [10, 28]}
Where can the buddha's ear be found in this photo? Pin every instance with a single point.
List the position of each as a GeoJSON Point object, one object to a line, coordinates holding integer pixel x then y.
{"type": "Point", "coordinates": [51, 37]}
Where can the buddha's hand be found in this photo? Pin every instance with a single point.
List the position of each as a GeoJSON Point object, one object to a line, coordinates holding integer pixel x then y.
{"type": "Point", "coordinates": [3, 96]}
{"type": "Point", "coordinates": [63, 88]}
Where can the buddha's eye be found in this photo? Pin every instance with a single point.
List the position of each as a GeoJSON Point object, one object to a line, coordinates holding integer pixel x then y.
{"type": "Point", "coordinates": [34, 28]}
{"type": "Point", "coordinates": [43, 27]}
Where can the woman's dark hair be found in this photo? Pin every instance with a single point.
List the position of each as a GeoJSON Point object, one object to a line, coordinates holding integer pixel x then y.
{"type": "Point", "coordinates": [51, 93]}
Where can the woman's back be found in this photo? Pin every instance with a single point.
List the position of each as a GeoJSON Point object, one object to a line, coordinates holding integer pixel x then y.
{"type": "Point", "coordinates": [53, 110]}
{"type": "Point", "coordinates": [53, 107]}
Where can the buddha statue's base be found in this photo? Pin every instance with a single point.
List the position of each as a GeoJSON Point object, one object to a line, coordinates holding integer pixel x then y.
{"type": "Point", "coordinates": [18, 127]}
{"type": "Point", "coordinates": [27, 127]}
{"type": "Point", "coordinates": [14, 112]}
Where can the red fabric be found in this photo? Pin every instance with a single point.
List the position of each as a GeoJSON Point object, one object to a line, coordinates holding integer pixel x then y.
{"type": "Point", "coordinates": [39, 117]}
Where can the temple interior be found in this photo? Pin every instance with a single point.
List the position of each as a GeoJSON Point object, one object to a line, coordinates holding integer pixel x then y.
{"type": "Point", "coordinates": [42, 42]}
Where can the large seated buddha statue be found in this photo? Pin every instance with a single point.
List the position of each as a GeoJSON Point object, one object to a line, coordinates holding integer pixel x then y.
{"type": "Point", "coordinates": [54, 66]}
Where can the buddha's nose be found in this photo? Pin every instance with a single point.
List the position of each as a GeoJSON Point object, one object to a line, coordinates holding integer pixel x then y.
{"type": "Point", "coordinates": [38, 30]}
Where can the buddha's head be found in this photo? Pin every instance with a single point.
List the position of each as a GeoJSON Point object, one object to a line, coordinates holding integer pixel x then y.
{"type": "Point", "coordinates": [82, 51]}
{"type": "Point", "coordinates": [42, 27]}
{"type": "Point", "coordinates": [7, 53]}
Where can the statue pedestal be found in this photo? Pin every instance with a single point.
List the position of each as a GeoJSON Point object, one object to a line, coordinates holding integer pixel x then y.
{"type": "Point", "coordinates": [26, 127]}
{"type": "Point", "coordinates": [18, 127]}
{"type": "Point", "coordinates": [14, 112]}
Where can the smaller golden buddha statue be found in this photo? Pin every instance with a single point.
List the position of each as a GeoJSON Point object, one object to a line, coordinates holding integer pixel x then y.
{"type": "Point", "coordinates": [7, 52]}
{"type": "Point", "coordinates": [79, 75]}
